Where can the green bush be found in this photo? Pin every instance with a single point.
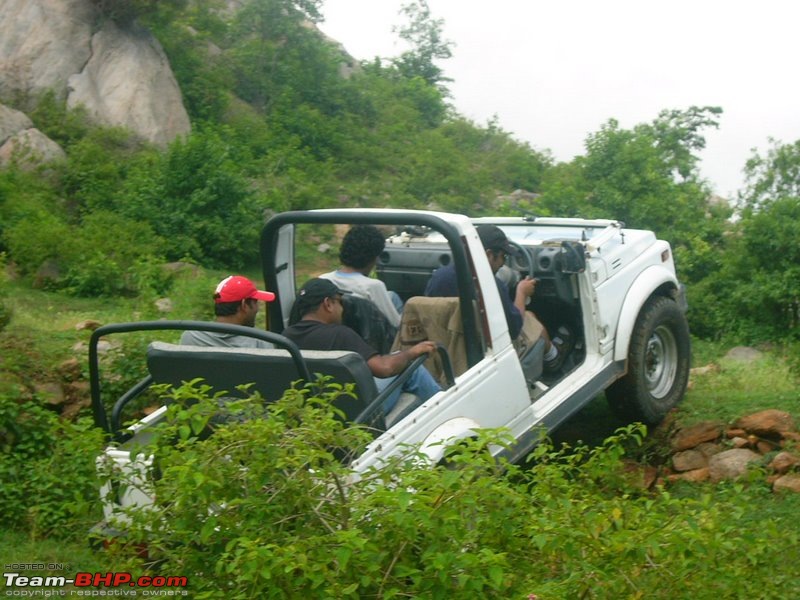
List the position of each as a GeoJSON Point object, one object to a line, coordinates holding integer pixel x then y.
{"type": "Point", "coordinates": [47, 467]}
{"type": "Point", "coordinates": [111, 255]}
{"type": "Point", "coordinates": [5, 311]}
{"type": "Point", "coordinates": [265, 507]}
{"type": "Point", "coordinates": [196, 199]}
{"type": "Point", "coordinates": [39, 237]}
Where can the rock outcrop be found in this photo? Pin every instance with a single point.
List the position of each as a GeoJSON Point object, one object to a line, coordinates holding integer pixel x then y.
{"type": "Point", "coordinates": [43, 43]}
{"type": "Point", "coordinates": [128, 81]}
{"type": "Point", "coordinates": [121, 77]}
{"type": "Point", "coordinates": [22, 143]}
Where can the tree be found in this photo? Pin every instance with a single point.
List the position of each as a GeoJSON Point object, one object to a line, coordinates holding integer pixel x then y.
{"type": "Point", "coordinates": [647, 177]}
{"type": "Point", "coordinates": [125, 12]}
{"type": "Point", "coordinates": [755, 295]}
{"type": "Point", "coordinates": [424, 34]}
{"type": "Point", "coordinates": [776, 175]}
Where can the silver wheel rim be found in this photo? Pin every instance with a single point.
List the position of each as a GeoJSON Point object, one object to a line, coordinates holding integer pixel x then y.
{"type": "Point", "coordinates": [661, 362]}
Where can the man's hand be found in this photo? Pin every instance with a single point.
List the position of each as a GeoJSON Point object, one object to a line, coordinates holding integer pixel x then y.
{"type": "Point", "coordinates": [387, 365]}
{"type": "Point", "coordinates": [526, 287]}
{"type": "Point", "coordinates": [426, 347]}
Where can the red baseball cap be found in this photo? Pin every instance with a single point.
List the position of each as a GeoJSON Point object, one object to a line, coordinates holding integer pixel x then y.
{"type": "Point", "coordinates": [236, 288]}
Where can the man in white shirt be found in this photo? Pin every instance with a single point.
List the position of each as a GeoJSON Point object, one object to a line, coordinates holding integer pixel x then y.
{"type": "Point", "coordinates": [358, 254]}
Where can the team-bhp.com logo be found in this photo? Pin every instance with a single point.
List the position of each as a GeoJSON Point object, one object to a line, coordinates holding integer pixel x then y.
{"type": "Point", "coordinates": [20, 585]}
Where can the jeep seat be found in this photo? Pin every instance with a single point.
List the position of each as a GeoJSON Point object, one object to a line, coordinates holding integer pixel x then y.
{"type": "Point", "coordinates": [439, 320]}
{"type": "Point", "coordinates": [270, 371]}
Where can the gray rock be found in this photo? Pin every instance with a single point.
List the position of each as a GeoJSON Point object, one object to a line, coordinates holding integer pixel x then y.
{"type": "Point", "coordinates": [731, 464]}
{"type": "Point", "coordinates": [12, 122]}
{"type": "Point", "coordinates": [30, 148]}
{"type": "Point", "coordinates": [744, 354]}
{"type": "Point", "coordinates": [42, 43]}
{"type": "Point", "coordinates": [128, 81]}
{"type": "Point", "coordinates": [164, 305]}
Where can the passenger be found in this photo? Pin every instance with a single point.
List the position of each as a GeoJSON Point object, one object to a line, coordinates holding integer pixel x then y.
{"type": "Point", "coordinates": [319, 304]}
{"type": "Point", "coordinates": [358, 254]}
{"type": "Point", "coordinates": [236, 303]}
{"type": "Point", "coordinates": [443, 283]}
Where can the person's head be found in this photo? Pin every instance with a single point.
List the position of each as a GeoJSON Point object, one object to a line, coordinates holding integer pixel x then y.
{"type": "Point", "coordinates": [321, 298]}
{"type": "Point", "coordinates": [496, 245]}
{"type": "Point", "coordinates": [236, 299]}
{"type": "Point", "coordinates": [361, 247]}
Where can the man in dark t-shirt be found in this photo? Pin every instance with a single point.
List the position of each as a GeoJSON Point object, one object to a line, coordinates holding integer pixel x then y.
{"type": "Point", "coordinates": [319, 305]}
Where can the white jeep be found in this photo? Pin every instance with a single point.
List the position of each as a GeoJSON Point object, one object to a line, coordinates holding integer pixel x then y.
{"type": "Point", "coordinates": [613, 289]}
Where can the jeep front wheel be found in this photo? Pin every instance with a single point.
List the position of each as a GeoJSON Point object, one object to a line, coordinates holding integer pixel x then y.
{"type": "Point", "coordinates": [658, 364]}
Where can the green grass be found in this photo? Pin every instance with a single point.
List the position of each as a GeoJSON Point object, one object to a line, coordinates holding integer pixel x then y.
{"type": "Point", "coordinates": [739, 388]}
{"type": "Point", "coordinates": [74, 553]}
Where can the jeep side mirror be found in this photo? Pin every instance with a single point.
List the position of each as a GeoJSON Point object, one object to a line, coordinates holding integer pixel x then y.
{"type": "Point", "coordinates": [573, 259]}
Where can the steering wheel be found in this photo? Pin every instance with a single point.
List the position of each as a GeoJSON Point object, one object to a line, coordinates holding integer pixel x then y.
{"type": "Point", "coordinates": [522, 256]}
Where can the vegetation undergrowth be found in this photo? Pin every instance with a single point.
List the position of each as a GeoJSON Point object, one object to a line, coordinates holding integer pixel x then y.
{"type": "Point", "coordinates": [265, 507]}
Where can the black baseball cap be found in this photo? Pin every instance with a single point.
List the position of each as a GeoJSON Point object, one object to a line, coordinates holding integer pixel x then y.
{"type": "Point", "coordinates": [493, 238]}
{"type": "Point", "coordinates": [315, 291]}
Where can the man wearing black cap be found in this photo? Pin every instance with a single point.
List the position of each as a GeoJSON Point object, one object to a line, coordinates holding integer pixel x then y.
{"type": "Point", "coordinates": [443, 283]}
{"type": "Point", "coordinates": [236, 303]}
{"type": "Point", "coordinates": [319, 306]}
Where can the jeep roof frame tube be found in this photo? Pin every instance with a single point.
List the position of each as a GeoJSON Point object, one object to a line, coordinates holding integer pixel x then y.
{"type": "Point", "coordinates": [466, 289]}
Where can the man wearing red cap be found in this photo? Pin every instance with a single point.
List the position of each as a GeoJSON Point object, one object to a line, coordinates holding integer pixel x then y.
{"type": "Point", "coordinates": [236, 303]}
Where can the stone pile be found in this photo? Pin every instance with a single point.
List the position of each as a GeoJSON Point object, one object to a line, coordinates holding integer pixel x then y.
{"type": "Point", "coordinates": [713, 451]}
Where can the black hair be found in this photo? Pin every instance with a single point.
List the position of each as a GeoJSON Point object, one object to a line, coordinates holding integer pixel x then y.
{"type": "Point", "coordinates": [227, 309]}
{"type": "Point", "coordinates": [361, 245]}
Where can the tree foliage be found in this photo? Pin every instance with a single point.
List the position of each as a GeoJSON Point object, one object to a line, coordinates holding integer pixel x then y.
{"type": "Point", "coordinates": [125, 12]}
{"type": "Point", "coordinates": [425, 35]}
{"type": "Point", "coordinates": [647, 177]}
{"type": "Point", "coordinates": [756, 293]}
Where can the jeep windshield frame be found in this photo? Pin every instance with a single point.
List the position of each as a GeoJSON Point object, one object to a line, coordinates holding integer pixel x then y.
{"type": "Point", "coordinates": [270, 233]}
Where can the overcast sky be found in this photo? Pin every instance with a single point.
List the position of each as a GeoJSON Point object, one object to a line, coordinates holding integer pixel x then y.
{"type": "Point", "coordinates": [553, 72]}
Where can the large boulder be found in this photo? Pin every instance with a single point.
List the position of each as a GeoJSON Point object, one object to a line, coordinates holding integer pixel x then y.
{"type": "Point", "coordinates": [121, 76]}
{"type": "Point", "coordinates": [29, 148]}
{"type": "Point", "coordinates": [12, 122]}
{"type": "Point", "coordinates": [128, 81]}
{"type": "Point", "coordinates": [42, 43]}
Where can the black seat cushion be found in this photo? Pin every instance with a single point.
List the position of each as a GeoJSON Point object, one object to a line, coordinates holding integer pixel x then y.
{"type": "Point", "coordinates": [270, 371]}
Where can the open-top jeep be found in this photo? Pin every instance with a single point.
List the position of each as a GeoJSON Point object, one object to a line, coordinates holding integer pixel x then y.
{"type": "Point", "coordinates": [613, 289]}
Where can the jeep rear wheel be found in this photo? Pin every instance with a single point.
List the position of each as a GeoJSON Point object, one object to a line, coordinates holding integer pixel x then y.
{"type": "Point", "coordinates": [658, 364]}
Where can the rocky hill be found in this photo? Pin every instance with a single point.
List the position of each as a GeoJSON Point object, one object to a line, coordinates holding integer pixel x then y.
{"type": "Point", "coordinates": [121, 76]}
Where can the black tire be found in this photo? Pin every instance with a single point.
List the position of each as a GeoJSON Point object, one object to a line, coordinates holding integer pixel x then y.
{"type": "Point", "coordinates": [659, 358]}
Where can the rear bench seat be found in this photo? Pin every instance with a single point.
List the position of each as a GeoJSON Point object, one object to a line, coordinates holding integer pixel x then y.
{"type": "Point", "coordinates": [270, 371]}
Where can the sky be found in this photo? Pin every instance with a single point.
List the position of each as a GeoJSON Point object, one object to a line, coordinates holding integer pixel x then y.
{"type": "Point", "coordinates": [554, 72]}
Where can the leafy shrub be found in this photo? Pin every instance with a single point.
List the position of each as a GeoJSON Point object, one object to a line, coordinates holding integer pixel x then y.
{"type": "Point", "coordinates": [5, 311]}
{"type": "Point", "coordinates": [265, 507]}
{"type": "Point", "coordinates": [112, 255]}
{"type": "Point", "coordinates": [61, 124]}
{"type": "Point", "coordinates": [47, 468]}
{"type": "Point", "coordinates": [195, 198]}
{"type": "Point", "coordinates": [39, 237]}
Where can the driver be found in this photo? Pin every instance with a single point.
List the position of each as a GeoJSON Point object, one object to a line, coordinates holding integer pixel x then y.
{"type": "Point", "coordinates": [443, 283]}
{"type": "Point", "coordinates": [319, 305]}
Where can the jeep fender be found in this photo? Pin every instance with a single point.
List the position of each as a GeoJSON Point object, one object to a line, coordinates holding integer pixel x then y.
{"type": "Point", "coordinates": [446, 435]}
{"type": "Point", "coordinates": [648, 281]}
